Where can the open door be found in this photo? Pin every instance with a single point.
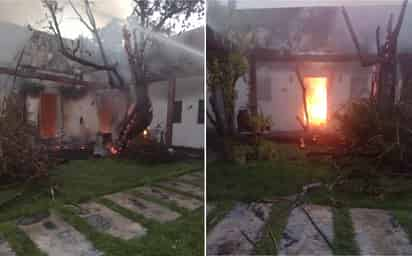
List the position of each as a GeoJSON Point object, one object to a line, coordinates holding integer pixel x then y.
{"type": "Point", "coordinates": [48, 115]}
{"type": "Point", "coordinates": [105, 114]}
{"type": "Point", "coordinates": [316, 100]}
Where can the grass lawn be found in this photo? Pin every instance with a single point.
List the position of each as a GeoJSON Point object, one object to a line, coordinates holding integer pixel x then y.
{"type": "Point", "coordinates": [292, 170]}
{"type": "Point", "coordinates": [263, 179]}
{"type": "Point", "coordinates": [84, 180]}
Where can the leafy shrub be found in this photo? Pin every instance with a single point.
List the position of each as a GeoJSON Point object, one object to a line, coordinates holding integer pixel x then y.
{"type": "Point", "coordinates": [260, 123]}
{"type": "Point", "coordinates": [241, 153]}
{"type": "Point", "coordinates": [22, 156]}
{"type": "Point", "coordinates": [266, 150]}
{"type": "Point", "coordinates": [368, 134]}
{"type": "Point", "coordinates": [147, 150]}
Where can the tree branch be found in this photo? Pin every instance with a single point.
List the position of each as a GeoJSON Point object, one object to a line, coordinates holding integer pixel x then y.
{"type": "Point", "coordinates": [378, 40]}
{"type": "Point", "coordinates": [364, 62]}
{"type": "Point", "coordinates": [305, 107]}
{"type": "Point", "coordinates": [81, 17]}
{"type": "Point", "coordinates": [54, 25]}
{"type": "Point", "coordinates": [398, 27]}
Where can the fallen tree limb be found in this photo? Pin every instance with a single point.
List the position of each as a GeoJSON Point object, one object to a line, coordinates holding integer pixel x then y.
{"type": "Point", "coordinates": [317, 228]}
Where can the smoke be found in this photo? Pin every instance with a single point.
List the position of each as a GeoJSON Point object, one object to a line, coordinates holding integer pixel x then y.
{"type": "Point", "coordinates": [314, 29]}
{"type": "Point", "coordinates": [31, 12]}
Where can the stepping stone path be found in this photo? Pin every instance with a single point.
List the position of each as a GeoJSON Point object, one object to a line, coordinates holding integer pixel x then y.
{"type": "Point", "coordinates": [52, 235]}
{"type": "Point", "coordinates": [243, 223]}
{"type": "Point", "coordinates": [5, 249]}
{"type": "Point", "coordinates": [171, 197]}
{"type": "Point", "coordinates": [301, 238]}
{"type": "Point", "coordinates": [106, 220]}
{"type": "Point", "coordinates": [143, 207]}
{"type": "Point", "coordinates": [184, 187]}
{"type": "Point", "coordinates": [196, 179]}
{"type": "Point", "coordinates": [57, 238]}
{"type": "Point", "coordinates": [377, 232]}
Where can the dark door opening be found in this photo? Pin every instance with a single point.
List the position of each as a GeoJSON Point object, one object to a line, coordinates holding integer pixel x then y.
{"type": "Point", "coordinates": [48, 115]}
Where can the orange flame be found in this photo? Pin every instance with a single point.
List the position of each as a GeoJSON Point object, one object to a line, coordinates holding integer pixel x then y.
{"type": "Point", "coordinates": [316, 100]}
{"type": "Point", "coordinates": [113, 150]}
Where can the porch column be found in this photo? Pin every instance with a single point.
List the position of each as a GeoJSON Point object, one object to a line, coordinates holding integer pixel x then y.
{"type": "Point", "coordinates": [252, 85]}
{"type": "Point", "coordinates": [170, 110]}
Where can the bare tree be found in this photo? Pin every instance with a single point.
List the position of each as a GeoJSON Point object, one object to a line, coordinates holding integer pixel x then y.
{"type": "Point", "coordinates": [73, 53]}
{"type": "Point", "coordinates": [386, 61]}
{"type": "Point", "coordinates": [90, 24]}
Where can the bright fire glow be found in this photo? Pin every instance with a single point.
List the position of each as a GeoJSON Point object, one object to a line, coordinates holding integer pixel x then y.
{"type": "Point", "coordinates": [316, 100]}
{"type": "Point", "coordinates": [113, 150]}
{"type": "Point", "coordinates": [145, 132]}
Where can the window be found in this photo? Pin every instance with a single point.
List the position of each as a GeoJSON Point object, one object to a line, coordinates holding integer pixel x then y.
{"type": "Point", "coordinates": [201, 112]}
{"type": "Point", "coordinates": [177, 114]}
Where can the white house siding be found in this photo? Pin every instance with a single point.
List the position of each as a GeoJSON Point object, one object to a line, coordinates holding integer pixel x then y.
{"type": "Point", "coordinates": [189, 90]}
{"type": "Point", "coordinates": [158, 94]}
{"type": "Point", "coordinates": [32, 106]}
{"type": "Point", "coordinates": [189, 133]}
{"type": "Point", "coordinates": [74, 110]}
{"type": "Point", "coordinates": [280, 96]}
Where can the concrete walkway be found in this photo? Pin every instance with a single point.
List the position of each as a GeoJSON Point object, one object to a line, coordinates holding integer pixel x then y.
{"type": "Point", "coordinates": [5, 249]}
{"type": "Point", "coordinates": [55, 237]}
{"type": "Point", "coordinates": [237, 232]}
{"type": "Point", "coordinates": [376, 232]}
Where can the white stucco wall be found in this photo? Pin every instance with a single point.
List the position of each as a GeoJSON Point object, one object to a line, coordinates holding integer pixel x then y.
{"type": "Point", "coordinates": [280, 95]}
{"type": "Point", "coordinates": [158, 94]}
{"type": "Point", "coordinates": [189, 133]}
{"type": "Point", "coordinates": [189, 90]}
{"type": "Point", "coordinates": [73, 110]}
{"type": "Point", "coordinates": [33, 106]}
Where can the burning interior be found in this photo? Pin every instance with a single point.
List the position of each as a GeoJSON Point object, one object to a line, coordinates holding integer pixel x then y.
{"type": "Point", "coordinates": [316, 101]}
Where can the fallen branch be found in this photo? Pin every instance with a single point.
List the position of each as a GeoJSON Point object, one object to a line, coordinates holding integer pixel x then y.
{"type": "Point", "coordinates": [317, 228]}
{"type": "Point", "coordinates": [248, 238]}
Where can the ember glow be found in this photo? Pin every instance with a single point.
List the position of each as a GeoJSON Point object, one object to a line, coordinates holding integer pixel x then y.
{"type": "Point", "coordinates": [113, 150]}
{"type": "Point", "coordinates": [316, 100]}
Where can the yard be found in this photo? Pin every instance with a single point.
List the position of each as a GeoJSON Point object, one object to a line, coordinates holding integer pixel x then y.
{"type": "Point", "coordinates": [89, 180]}
{"type": "Point", "coordinates": [273, 181]}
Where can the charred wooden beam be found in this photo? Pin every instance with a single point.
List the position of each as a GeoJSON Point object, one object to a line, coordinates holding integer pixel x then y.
{"type": "Point", "coordinates": [170, 111]}
{"type": "Point", "coordinates": [60, 79]}
{"type": "Point", "coordinates": [264, 54]}
{"type": "Point", "coordinates": [253, 85]}
{"type": "Point", "coordinates": [305, 107]}
{"type": "Point", "coordinates": [378, 40]}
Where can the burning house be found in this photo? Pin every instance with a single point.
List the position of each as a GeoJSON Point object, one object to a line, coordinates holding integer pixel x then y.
{"type": "Point", "coordinates": [310, 46]}
{"type": "Point", "coordinates": [73, 104]}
